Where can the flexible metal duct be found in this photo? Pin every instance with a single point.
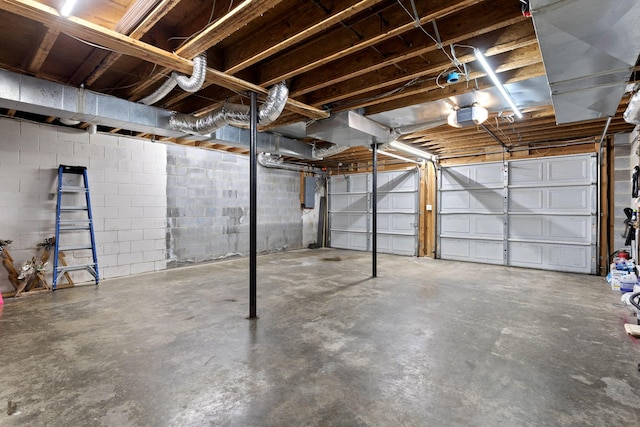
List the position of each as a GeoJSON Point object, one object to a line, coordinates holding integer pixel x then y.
{"type": "Point", "coordinates": [632, 113]}
{"type": "Point", "coordinates": [37, 96]}
{"type": "Point", "coordinates": [321, 153]}
{"type": "Point", "coordinates": [232, 114]}
{"type": "Point", "coordinates": [273, 105]}
{"type": "Point", "coordinates": [277, 162]}
{"type": "Point", "coordinates": [188, 84]}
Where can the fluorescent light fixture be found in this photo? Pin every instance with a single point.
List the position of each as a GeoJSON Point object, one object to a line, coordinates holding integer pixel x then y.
{"type": "Point", "coordinates": [410, 150]}
{"type": "Point", "coordinates": [68, 6]}
{"type": "Point", "coordinates": [396, 156]}
{"type": "Point", "coordinates": [480, 57]}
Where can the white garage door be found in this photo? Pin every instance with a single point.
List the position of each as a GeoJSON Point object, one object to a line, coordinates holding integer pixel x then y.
{"type": "Point", "coordinates": [350, 212]}
{"type": "Point", "coordinates": [537, 213]}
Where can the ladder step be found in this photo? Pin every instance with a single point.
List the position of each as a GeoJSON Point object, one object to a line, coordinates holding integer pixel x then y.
{"type": "Point", "coordinates": [72, 169]}
{"type": "Point", "coordinates": [73, 208]}
{"type": "Point", "coordinates": [75, 267]}
{"type": "Point", "coordinates": [78, 221]}
{"type": "Point", "coordinates": [75, 248]}
{"type": "Point", "coordinates": [74, 228]}
{"type": "Point", "coordinates": [72, 189]}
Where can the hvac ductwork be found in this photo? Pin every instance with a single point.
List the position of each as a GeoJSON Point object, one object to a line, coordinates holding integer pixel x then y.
{"type": "Point", "coordinates": [188, 84]}
{"type": "Point", "coordinates": [268, 160]}
{"type": "Point", "coordinates": [42, 97]}
{"type": "Point", "coordinates": [632, 113]}
{"type": "Point", "coordinates": [232, 114]}
{"type": "Point", "coordinates": [321, 153]}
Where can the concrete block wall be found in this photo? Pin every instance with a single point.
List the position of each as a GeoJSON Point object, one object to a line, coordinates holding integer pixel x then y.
{"type": "Point", "coordinates": [208, 206]}
{"type": "Point", "coordinates": [127, 179]}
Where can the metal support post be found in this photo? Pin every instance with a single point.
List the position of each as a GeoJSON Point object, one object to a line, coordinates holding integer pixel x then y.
{"type": "Point", "coordinates": [374, 212]}
{"type": "Point", "coordinates": [253, 208]}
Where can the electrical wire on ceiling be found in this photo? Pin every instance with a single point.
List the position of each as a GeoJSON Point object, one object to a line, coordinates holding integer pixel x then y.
{"type": "Point", "coordinates": [437, 42]}
{"type": "Point", "coordinates": [413, 82]}
{"type": "Point", "coordinates": [496, 128]}
{"type": "Point", "coordinates": [97, 46]}
{"type": "Point", "coordinates": [210, 21]}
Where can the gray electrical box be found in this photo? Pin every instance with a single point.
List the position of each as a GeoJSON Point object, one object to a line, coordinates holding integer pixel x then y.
{"type": "Point", "coordinates": [309, 192]}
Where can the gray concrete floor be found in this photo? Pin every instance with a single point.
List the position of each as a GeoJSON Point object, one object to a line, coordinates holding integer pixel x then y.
{"type": "Point", "coordinates": [427, 343]}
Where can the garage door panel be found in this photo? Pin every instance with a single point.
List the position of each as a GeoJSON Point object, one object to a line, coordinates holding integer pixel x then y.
{"type": "Point", "coordinates": [526, 173]}
{"type": "Point", "coordinates": [395, 244]}
{"type": "Point", "coordinates": [397, 223]}
{"type": "Point", "coordinates": [560, 229]}
{"type": "Point", "coordinates": [470, 226]}
{"type": "Point", "coordinates": [348, 222]}
{"type": "Point", "coordinates": [527, 227]}
{"type": "Point", "coordinates": [550, 218]}
{"type": "Point", "coordinates": [578, 229]}
{"type": "Point", "coordinates": [488, 252]}
{"type": "Point", "coordinates": [358, 183]}
{"type": "Point", "coordinates": [551, 200]}
{"type": "Point", "coordinates": [350, 212]}
{"type": "Point", "coordinates": [477, 201]}
{"type": "Point", "coordinates": [349, 202]}
{"type": "Point", "coordinates": [572, 199]}
{"type": "Point", "coordinates": [526, 200]}
{"type": "Point", "coordinates": [403, 202]}
{"type": "Point", "coordinates": [397, 181]}
{"type": "Point", "coordinates": [339, 184]}
{"type": "Point", "coordinates": [455, 225]}
{"type": "Point", "coordinates": [472, 176]}
{"type": "Point", "coordinates": [569, 170]}
{"type": "Point", "coordinates": [572, 258]}
{"type": "Point", "coordinates": [349, 240]}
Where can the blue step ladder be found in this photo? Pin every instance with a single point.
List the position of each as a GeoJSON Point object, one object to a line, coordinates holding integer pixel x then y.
{"type": "Point", "coordinates": [74, 221]}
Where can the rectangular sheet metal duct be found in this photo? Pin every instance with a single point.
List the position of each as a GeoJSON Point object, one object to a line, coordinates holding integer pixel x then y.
{"type": "Point", "coordinates": [37, 96]}
{"type": "Point", "coordinates": [350, 129]}
{"type": "Point", "coordinates": [589, 48]}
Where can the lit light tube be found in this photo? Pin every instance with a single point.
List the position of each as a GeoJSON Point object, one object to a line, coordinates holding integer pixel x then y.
{"type": "Point", "coordinates": [68, 6]}
{"type": "Point", "coordinates": [410, 150]}
{"type": "Point", "coordinates": [396, 156]}
{"type": "Point", "coordinates": [480, 57]}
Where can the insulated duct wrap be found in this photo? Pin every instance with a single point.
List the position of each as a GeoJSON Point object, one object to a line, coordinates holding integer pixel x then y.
{"type": "Point", "coordinates": [195, 82]}
{"type": "Point", "coordinates": [232, 114]}
{"type": "Point", "coordinates": [273, 106]}
{"type": "Point", "coordinates": [321, 153]}
{"type": "Point", "coordinates": [188, 84]}
{"type": "Point", "coordinates": [632, 113]}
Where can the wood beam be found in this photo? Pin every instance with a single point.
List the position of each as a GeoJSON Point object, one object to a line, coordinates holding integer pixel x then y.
{"type": "Point", "coordinates": [43, 50]}
{"type": "Point", "coordinates": [113, 40]}
{"type": "Point", "coordinates": [215, 32]}
{"type": "Point", "coordinates": [341, 42]}
{"type": "Point", "coordinates": [417, 96]}
{"type": "Point", "coordinates": [291, 30]}
{"type": "Point", "coordinates": [427, 68]}
{"type": "Point", "coordinates": [147, 23]}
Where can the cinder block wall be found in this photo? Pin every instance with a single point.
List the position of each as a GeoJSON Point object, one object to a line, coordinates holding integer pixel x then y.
{"type": "Point", "coordinates": [208, 206]}
{"type": "Point", "coordinates": [127, 179]}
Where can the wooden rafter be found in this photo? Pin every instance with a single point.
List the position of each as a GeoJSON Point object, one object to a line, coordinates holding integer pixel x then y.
{"type": "Point", "coordinates": [118, 42]}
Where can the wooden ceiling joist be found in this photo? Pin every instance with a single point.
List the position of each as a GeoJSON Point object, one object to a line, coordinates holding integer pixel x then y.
{"type": "Point", "coordinates": [125, 45]}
